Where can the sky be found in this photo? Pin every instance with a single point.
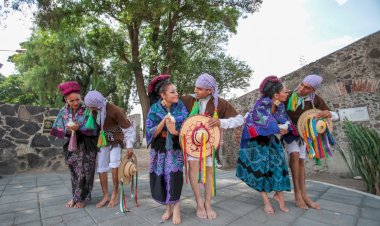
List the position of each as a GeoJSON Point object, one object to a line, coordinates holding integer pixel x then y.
{"type": "Point", "coordinates": [282, 37]}
{"type": "Point", "coordinates": [288, 34]}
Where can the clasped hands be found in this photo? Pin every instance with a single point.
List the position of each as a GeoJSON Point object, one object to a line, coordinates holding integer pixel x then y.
{"type": "Point", "coordinates": [170, 125]}
{"type": "Point", "coordinates": [74, 127]}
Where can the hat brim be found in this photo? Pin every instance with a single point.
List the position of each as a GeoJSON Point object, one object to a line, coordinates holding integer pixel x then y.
{"type": "Point", "coordinates": [189, 126]}
{"type": "Point", "coordinates": [121, 176]}
{"type": "Point", "coordinates": [305, 116]}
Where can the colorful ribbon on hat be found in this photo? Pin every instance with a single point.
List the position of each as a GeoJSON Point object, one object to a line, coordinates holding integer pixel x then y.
{"type": "Point", "coordinates": [134, 194]}
{"type": "Point", "coordinates": [183, 140]}
{"type": "Point", "coordinates": [318, 146]}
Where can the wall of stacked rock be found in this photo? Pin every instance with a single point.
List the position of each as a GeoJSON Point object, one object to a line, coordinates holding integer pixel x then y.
{"type": "Point", "coordinates": [351, 80]}
{"type": "Point", "coordinates": [23, 146]}
{"type": "Point", "coordinates": [24, 143]}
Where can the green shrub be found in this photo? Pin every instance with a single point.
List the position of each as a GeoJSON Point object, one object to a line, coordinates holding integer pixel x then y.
{"type": "Point", "coordinates": [365, 149]}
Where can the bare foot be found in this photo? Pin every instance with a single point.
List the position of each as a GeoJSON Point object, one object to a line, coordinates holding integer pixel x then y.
{"type": "Point", "coordinates": [176, 214]}
{"type": "Point", "coordinates": [281, 202]}
{"type": "Point", "coordinates": [211, 214]}
{"type": "Point", "coordinates": [168, 213]}
{"type": "Point", "coordinates": [268, 209]}
{"type": "Point", "coordinates": [113, 201]}
{"type": "Point", "coordinates": [103, 202]}
{"type": "Point", "coordinates": [310, 203]}
{"type": "Point", "coordinates": [201, 211]}
{"type": "Point", "coordinates": [80, 205]}
{"type": "Point", "coordinates": [70, 204]}
{"type": "Point", "coordinates": [300, 203]}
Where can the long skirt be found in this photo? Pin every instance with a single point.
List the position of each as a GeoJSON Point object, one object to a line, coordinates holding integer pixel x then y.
{"type": "Point", "coordinates": [166, 171]}
{"type": "Point", "coordinates": [82, 164]}
{"type": "Point", "coordinates": [262, 164]}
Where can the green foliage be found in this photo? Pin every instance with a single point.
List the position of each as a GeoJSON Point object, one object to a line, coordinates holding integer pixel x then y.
{"type": "Point", "coordinates": [365, 149]}
{"type": "Point", "coordinates": [12, 90]}
{"type": "Point", "coordinates": [118, 46]}
{"type": "Point", "coordinates": [72, 53]}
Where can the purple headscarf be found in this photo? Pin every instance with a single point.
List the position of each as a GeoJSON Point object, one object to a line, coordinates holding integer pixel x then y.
{"type": "Point", "coordinates": [208, 82]}
{"type": "Point", "coordinates": [314, 81]}
{"type": "Point", "coordinates": [97, 100]}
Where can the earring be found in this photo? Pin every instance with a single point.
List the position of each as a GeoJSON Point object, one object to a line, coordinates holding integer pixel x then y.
{"type": "Point", "coordinates": [163, 103]}
{"type": "Point", "coordinates": [277, 102]}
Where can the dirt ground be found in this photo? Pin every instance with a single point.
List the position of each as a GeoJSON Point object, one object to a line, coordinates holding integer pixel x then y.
{"type": "Point", "coordinates": [143, 164]}
{"type": "Point", "coordinates": [339, 180]}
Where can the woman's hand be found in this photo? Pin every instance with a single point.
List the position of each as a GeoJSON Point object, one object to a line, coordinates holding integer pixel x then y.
{"type": "Point", "coordinates": [171, 127]}
{"type": "Point", "coordinates": [74, 127]}
{"type": "Point", "coordinates": [284, 131]}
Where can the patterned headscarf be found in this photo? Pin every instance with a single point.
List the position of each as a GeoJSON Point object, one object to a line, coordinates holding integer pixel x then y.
{"type": "Point", "coordinates": [314, 81]}
{"type": "Point", "coordinates": [208, 82]}
{"type": "Point", "coordinates": [97, 100]}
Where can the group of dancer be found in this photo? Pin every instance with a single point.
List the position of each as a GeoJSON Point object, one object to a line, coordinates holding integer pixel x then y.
{"type": "Point", "coordinates": [268, 132]}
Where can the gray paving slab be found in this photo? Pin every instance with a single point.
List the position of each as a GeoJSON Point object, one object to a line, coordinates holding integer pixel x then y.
{"type": "Point", "coordinates": [129, 220]}
{"type": "Point", "coordinates": [4, 180]}
{"type": "Point", "coordinates": [315, 186]}
{"type": "Point", "coordinates": [57, 210]}
{"type": "Point", "coordinates": [236, 207]}
{"type": "Point", "coordinates": [371, 202]}
{"type": "Point", "coordinates": [39, 199]}
{"type": "Point", "coordinates": [224, 218]}
{"type": "Point", "coordinates": [309, 222]}
{"type": "Point", "coordinates": [330, 217]}
{"type": "Point", "coordinates": [256, 216]}
{"type": "Point", "coordinates": [26, 216]}
{"type": "Point", "coordinates": [342, 198]}
{"type": "Point", "coordinates": [53, 201]}
{"type": "Point", "coordinates": [103, 214]}
{"type": "Point", "coordinates": [76, 218]}
{"type": "Point", "coordinates": [367, 222]}
{"type": "Point", "coordinates": [371, 213]}
{"type": "Point", "coordinates": [339, 207]}
{"type": "Point", "coordinates": [7, 219]}
{"type": "Point", "coordinates": [9, 198]}
{"type": "Point", "coordinates": [18, 206]}
{"type": "Point", "coordinates": [33, 223]}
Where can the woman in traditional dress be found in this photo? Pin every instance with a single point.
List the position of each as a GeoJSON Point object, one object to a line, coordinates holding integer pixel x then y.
{"type": "Point", "coordinates": [164, 120]}
{"type": "Point", "coordinates": [261, 163]}
{"type": "Point", "coordinates": [80, 149]}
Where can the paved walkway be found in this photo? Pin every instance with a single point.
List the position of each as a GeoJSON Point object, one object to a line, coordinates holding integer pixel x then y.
{"type": "Point", "coordinates": [39, 199]}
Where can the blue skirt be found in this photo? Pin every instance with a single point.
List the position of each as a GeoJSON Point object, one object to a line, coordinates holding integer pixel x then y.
{"type": "Point", "coordinates": [262, 165]}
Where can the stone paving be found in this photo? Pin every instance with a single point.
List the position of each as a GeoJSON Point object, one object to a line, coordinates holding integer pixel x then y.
{"type": "Point", "coordinates": [39, 199]}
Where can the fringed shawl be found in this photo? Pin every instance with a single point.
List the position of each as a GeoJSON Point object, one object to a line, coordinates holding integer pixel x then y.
{"type": "Point", "coordinates": [64, 116]}
{"type": "Point", "coordinates": [260, 121]}
{"type": "Point", "coordinates": [157, 112]}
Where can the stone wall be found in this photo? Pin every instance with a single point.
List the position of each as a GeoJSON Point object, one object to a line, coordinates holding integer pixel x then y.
{"type": "Point", "coordinates": [351, 79]}
{"type": "Point", "coordinates": [23, 144]}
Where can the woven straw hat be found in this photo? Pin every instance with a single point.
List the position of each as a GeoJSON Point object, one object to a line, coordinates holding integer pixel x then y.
{"type": "Point", "coordinates": [127, 168]}
{"type": "Point", "coordinates": [192, 130]}
{"type": "Point", "coordinates": [321, 124]}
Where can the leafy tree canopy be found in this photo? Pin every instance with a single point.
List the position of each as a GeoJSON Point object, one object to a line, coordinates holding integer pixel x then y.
{"type": "Point", "coordinates": [123, 44]}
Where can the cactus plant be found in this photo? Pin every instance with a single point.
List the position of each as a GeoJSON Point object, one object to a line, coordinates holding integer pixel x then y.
{"type": "Point", "coordinates": [365, 149]}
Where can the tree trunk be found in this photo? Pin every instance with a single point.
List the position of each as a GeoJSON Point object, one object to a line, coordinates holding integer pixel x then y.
{"type": "Point", "coordinates": [169, 36]}
{"type": "Point", "coordinates": [133, 30]}
{"type": "Point", "coordinates": [153, 71]}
